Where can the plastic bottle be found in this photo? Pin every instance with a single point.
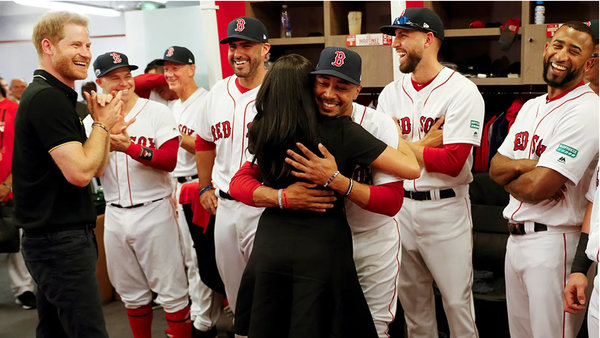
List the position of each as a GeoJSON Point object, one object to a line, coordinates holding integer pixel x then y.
{"type": "Point", "coordinates": [285, 30]}
{"type": "Point", "coordinates": [540, 13]}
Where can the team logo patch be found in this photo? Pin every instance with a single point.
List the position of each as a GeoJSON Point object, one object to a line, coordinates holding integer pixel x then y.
{"type": "Point", "coordinates": [170, 52]}
{"type": "Point", "coordinates": [562, 160]}
{"type": "Point", "coordinates": [569, 151]}
{"type": "Point", "coordinates": [97, 72]}
{"type": "Point", "coordinates": [146, 154]}
{"type": "Point", "coordinates": [116, 57]}
{"type": "Point", "coordinates": [241, 25]}
{"type": "Point", "coordinates": [339, 59]}
{"type": "Point", "coordinates": [474, 124]}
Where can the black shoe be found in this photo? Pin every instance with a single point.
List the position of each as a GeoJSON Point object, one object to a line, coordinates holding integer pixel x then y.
{"type": "Point", "coordinates": [27, 300]}
{"type": "Point", "coordinates": [212, 333]}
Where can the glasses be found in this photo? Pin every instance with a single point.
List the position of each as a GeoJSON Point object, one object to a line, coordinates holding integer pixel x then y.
{"type": "Point", "coordinates": [402, 20]}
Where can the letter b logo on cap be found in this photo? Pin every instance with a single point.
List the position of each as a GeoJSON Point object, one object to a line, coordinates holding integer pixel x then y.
{"type": "Point", "coordinates": [241, 25]}
{"type": "Point", "coordinates": [116, 57]}
{"type": "Point", "coordinates": [339, 59]}
{"type": "Point", "coordinates": [170, 51]}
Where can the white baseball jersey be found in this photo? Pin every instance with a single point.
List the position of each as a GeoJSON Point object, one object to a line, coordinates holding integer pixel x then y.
{"type": "Point", "coordinates": [562, 135]}
{"type": "Point", "coordinates": [126, 181]}
{"type": "Point", "coordinates": [449, 94]}
{"type": "Point", "coordinates": [224, 120]}
{"type": "Point", "coordinates": [593, 247]}
{"type": "Point", "coordinates": [382, 127]}
{"type": "Point", "coordinates": [154, 96]}
{"type": "Point", "coordinates": [186, 115]}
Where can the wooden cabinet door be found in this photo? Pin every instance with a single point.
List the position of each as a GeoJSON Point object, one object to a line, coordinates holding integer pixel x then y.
{"type": "Point", "coordinates": [534, 40]}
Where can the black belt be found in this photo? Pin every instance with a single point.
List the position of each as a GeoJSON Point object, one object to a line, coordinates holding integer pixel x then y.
{"type": "Point", "coordinates": [184, 179]}
{"type": "Point", "coordinates": [57, 228]}
{"type": "Point", "coordinates": [519, 228]}
{"type": "Point", "coordinates": [225, 195]}
{"type": "Point", "coordinates": [427, 195]}
{"type": "Point", "coordinates": [135, 205]}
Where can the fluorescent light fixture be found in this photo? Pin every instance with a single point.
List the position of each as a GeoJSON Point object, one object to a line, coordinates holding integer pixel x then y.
{"type": "Point", "coordinates": [69, 6]}
{"type": "Point", "coordinates": [160, 1]}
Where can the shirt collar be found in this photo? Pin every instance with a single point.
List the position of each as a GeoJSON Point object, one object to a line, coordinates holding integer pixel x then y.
{"type": "Point", "coordinates": [56, 83]}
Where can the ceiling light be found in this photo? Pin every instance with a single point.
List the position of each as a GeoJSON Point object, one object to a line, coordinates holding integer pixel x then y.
{"type": "Point", "coordinates": [70, 6]}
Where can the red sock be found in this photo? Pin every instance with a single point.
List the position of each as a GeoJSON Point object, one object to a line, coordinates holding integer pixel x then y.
{"type": "Point", "coordinates": [180, 323]}
{"type": "Point", "coordinates": [140, 320]}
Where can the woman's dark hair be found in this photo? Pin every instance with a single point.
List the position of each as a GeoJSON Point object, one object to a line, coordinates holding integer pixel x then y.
{"type": "Point", "coordinates": [287, 114]}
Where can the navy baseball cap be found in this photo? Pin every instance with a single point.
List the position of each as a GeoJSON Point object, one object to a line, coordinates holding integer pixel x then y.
{"type": "Point", "coordinates": [594, 27]}
{"type": "Point", "coordinates": [177, 54]}
{"type": "Point", "coordinates": [246, 28]}
{"type": "Point", "coordinates": [110, 61]}
{"type": "Point", "coordinates": [340, 62]}
{"type": "Point", "coordinates": [417, 19]}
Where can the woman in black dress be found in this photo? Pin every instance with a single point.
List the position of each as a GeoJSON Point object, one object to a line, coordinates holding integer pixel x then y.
{"type": "Point", "coordinates": [300, 280]}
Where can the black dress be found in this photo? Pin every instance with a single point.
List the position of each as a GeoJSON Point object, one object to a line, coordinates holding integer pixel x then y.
{"type": "Point", "coordinates": [300, 281]}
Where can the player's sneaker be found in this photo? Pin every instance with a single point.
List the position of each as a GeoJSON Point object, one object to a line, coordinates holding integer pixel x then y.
{"type": "Point", "coordinates": [169, 333]}
{"type": "Point", "coordinates": [212, 333]}
{"type": "Point", "coordinates": [27, 300]}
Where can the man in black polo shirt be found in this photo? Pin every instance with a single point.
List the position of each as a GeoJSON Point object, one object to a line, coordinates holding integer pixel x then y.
{"type": "Point", "coordinates": [53, 164]}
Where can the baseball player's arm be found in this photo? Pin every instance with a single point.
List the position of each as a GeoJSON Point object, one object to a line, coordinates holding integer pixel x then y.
{"type": "Point", "coordinates": [536, 185]}
{"type": "Point", "coordinates": [246, 187]}
{"type": "Point", "coordinates": [79, 164]}
{"type": "Point", "coordinates": [574, 293]}
{"type": "Point", "coordinates": [164, 158]}
{"type": "Point", "coordinates": [4, 190]}
{"type": "Point", "coordinates": [503, 169]}
{"type": "Point", "coordinates": [144, 83]}
{"type": "Point", "coordinates": [188, 143]}
{"type": "Point", "coordinates": [205, 160]}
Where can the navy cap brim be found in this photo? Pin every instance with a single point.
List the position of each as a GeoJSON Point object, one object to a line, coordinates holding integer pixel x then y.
{"type": "Point", "coordinates": [391, 30]}
{"type": "Point", "coordinates": [336, 74]}
{"type": "Point", "coordinates": [131, 67]}
{"type": "Point", "coordinates": [239, 37]}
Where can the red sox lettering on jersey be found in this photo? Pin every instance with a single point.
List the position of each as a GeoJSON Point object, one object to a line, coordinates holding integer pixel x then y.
{"type": "Point", "coordinates": [418, 110]}
{"type": "Point", "coordinates": [144, 141]}
{"type": "Point", "coordinates": [522, 141]}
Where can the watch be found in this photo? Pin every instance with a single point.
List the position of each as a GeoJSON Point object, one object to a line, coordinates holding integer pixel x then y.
{"type": "Point", "coordinates": [6, 185]}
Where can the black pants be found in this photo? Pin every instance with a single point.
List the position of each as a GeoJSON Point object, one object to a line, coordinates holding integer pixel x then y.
{"type": "Point", "coordinates": [204, 243]}
{"type": "Point", "coordinates": [63, 264]}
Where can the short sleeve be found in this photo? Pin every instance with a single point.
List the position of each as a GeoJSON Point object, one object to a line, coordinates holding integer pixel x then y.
{"type": "Point", "coordinates": [202, 123]}
{"type": "Point", "coordinates": [507, 148]}
{"type": "Point", "coordinates": [591, 193]}
{"type": "Point", "coordinates": [382, 104]}
{"type": "Point", "coordinates": [165, 125]}
{"type": "Point", "coordinates": [54, 119]}
{"type": "Point", "coordinates": [574, 143]}
{"type": "Point", "coordinates": [464, 117]}
{"type": "Point", "coordinates": [388, 133]}
{"type": "Point", "coordinates": [361, 147]}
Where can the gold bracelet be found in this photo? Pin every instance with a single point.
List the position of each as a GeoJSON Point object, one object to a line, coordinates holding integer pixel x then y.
{"type": "Point", "coordinates": [98, 124]}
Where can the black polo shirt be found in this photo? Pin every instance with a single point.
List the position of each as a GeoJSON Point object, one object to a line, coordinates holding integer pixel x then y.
{"type": "Point", "coordinates": [47, 119]}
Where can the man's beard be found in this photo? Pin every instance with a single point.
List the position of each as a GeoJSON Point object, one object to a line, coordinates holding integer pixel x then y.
{"type": "Point", "coordinates": [411, 64]}
{"type": "Point", "coordinates": [569, 76]}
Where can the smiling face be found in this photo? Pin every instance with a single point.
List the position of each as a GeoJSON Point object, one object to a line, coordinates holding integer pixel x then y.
{"type": "Point", "coordinates": [565, 57]}
{"type": "Point", "coordinates": [17, 86]}
{"type": "Point", "coordinates": [246, 56]}
{"type": "Point", "coordinates": [178, 75]}
{"type": "Point", "coordinates": [334, 96]}
{"type": "Point", "coordinates": [71, 55]}
{"type": "Point", "coordinates": [409, 45]}
{"type": "Point", "coordinates": [118, 80]}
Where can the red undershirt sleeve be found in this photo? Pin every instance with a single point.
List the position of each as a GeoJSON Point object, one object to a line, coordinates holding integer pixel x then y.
{"type": "Point", "coordinates": [386, 199]}
{"type": "Point", "coordinates": [203, 145]}
{"type": "Point", "coordinates": [163, 158]}
{"type": "Point", "coordinates": [448, 160]}
{"type": "Point", "coordinates": [144, 83]}
{"type": "Point", "coordinates": [244, 183]}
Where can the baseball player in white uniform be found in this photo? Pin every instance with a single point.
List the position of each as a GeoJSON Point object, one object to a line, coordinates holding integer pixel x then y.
{"type": "Point", "coordinates": [141, 237]}
{"type": "Point", "coordinates": [179, 69]}
{"type": "Point", "coordinates": [376, 235]}
{"type": "Point", "coordinates": [223, 124]}
{"type": "Point", "coordinates": [588, 251]}
{"type": "Point", "coordinates": [545, 163]}
{"type": "Point", "coordinates": [436, 216]}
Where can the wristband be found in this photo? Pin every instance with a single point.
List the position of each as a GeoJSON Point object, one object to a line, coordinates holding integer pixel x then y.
{"type": "Point", "coordinates": [205, 189]}
{"type": "Point", "coordinates": [280, 198]}
{"type": "Point", "coordinates": [98, 124]}
{"type": "Point", "coordinates": [331, 178]}
{"type": "Point", "coordinates": [6, 185]}
{"type": "Point", "coordinates": [286, 205]}
{"type": "Point", "coordinates": [349, 188]}
{"type": "Point", "coordinates": [581, 262]}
